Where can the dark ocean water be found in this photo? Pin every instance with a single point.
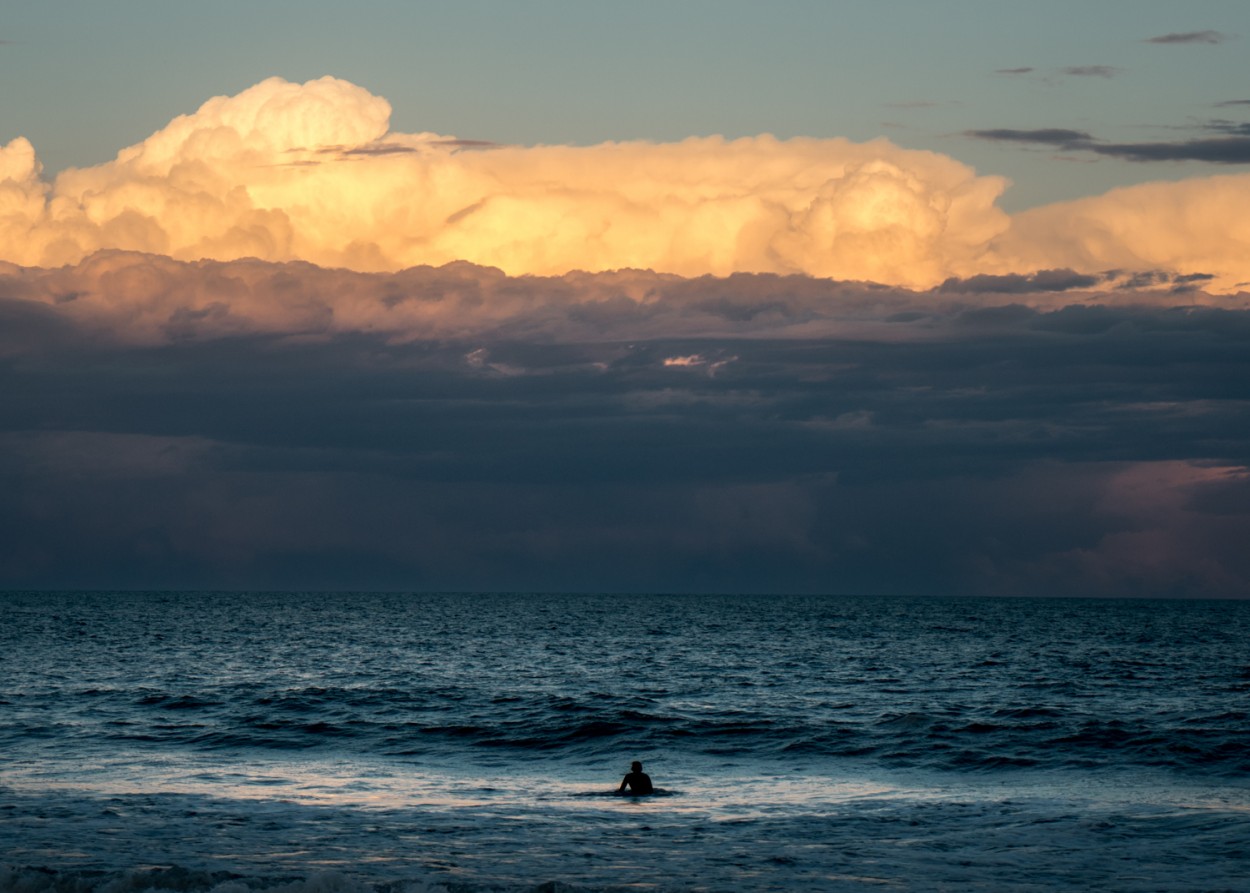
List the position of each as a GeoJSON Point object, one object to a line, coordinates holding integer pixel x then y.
{"type": "Point", "coordinates": [471, 741]}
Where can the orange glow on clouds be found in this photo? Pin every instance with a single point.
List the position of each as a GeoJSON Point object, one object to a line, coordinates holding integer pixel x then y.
{"type": "Point", "coordinates": [311, 172]}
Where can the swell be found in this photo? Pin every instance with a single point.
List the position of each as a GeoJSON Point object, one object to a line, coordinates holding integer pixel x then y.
{"type": "Point", "coordinates": [452, 721]}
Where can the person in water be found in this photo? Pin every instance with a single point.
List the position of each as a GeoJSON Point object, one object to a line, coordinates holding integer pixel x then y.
{"type": "Point", "coordinates": [637, 781]}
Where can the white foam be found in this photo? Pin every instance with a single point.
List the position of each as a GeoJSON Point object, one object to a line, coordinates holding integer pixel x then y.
{"type": "Point", "coordinates": [343, 828]}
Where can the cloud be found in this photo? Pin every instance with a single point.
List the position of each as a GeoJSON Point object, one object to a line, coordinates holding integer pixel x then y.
{"type": "Point", "coordinates": [126, 297]}
{"type": "Point", "coordinates": [312, 172]}
{"type": "Point", "coordinates": [1053, 136]}
{"type": "Point", "coordinates": [1225, 126]}
{"type": "Point", "coordinates": [1217, 150]}
{"type": "Point", "coordinates": [286, 171]}
{"type": "Point", "coordinates": [1222, 150]}
{"type": "Point", "coordinates": [1208, 37]}
{"type": "Point", "coordinates": [1088, 71]}
{"type": "Point", "coordinates": [1091, 71]}
{"type": "Point", "coordinates": [1051, 402]}
{"type": "Point", "coordinates": [1041, 281]}
{"type": "Point", "coordinates": [1184, 227]}
{"type": "Point", "coordinates": [454, 427]}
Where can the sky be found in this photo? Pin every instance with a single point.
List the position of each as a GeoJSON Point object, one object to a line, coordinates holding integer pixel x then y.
{"type": "Point", "coordinates": [87, 79]}
{"type": "Point", "coordinates": [937, 298]}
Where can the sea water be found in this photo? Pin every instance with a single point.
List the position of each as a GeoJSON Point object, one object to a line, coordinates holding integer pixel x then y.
{"type": "Point", "coordinates": [473, 741]}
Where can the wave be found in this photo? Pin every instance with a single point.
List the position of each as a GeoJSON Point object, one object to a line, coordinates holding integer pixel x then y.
{"type": "Point", "coordinates": [176, 879]}
{"type": "Point", "coordinates": [949, 685]}
{"type": "Point", "coordinates": [418, 723]}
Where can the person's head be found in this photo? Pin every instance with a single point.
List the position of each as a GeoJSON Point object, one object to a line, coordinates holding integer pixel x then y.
{"type": "Point", "coordinates": [635, 766]}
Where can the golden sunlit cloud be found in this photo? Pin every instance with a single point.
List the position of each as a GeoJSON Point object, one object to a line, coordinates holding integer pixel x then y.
{"type": "Point", "coordinates": [1192, 226]}
{"type": "Point", "coordinates": [312, 172]}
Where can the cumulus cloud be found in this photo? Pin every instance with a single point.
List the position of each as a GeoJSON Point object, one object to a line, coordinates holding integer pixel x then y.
{"type": "Point", "coordinates": [1191, 226]}
{"type": "Point", "coordinates": [285, 171]}
{"type": "Point", "coordinates": [311, 172]}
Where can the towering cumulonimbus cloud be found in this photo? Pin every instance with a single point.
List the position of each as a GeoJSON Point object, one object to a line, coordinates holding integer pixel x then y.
{"type": "Point", "coordinates": [285, 171]}
{"type": "Point", "coordinates": [311, 172]}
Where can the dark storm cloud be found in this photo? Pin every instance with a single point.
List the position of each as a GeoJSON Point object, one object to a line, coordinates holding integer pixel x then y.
{"type": "Point", "coordinates": [25, 325]}
{"type": "Point", "coordinates": [1207, 37]}
{"type": "Point", "coordinates": [1016, 283]}
{"type": "Point", "coordinates": [1000, 434]}
{"type": "Point", "coordinates": [1047, 281]}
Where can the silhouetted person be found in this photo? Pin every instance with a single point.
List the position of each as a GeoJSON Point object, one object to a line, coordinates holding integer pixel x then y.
{"type": "Point", "coordinates": [637, 781]}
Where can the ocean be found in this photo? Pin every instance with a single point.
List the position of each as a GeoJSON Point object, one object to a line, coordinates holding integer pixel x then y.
{"type": "Point", "coordinates": [321, 742]}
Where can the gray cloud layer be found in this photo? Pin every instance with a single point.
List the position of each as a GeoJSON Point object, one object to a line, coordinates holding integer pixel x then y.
{"type": "Point", "coordinates": [249, 424]}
